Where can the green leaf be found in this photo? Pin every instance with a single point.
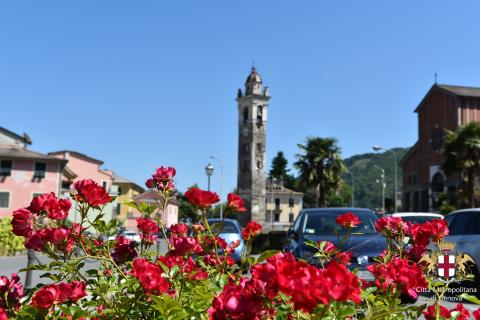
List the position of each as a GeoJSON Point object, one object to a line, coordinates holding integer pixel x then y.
{"type": "Point", "coordinates": [470, 298]}
{"type": "Point", "coordinates": [266, 254]}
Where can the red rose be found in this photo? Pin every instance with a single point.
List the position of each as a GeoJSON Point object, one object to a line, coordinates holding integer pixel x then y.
{"type": "Point", "coordinates": [89, 191]}
{"type": "Point", "coordinates": [430, 313]}
{"type": "Point", "coordinates": [398, 275]}
{"type": "Point", "coordinates": [61, 209]}
{"type": "Point", "coordinates": [476, 314]}
{"type": "Point", "coordinates": [22, 222]}
{"type": "Point", "coordinates": [343, 257]}
{"type": "Point", "coordinates": [348, 220]}
{"type": "Point", "coordinates": [237, 302]}
{"type": "Point", "coordinates": [49, 204]}
{"type": "Point", "coordinates": [201, 198]}
{"type": "Point", "coordinates": [342, 284]}
{"type": "Point", "coordinates": [235, 203]}
{"type": "Point", "coordinates": [78, 290]}
{"type": "Point", "coordinates": [11, 289]}
{"type": "Point", "coordinates": [463, 313]}
{"type": "Point", "coordinates": [123, 250]}
{"type": "Point", "coordinates": [38, 203]}
{"type": "Point", "coordinates": [58, 235]}
{"type": "Point", "coordinates": [150, 183]}
{"type": "Point", "coordinates": [150, 276]}
{"type": "Point", "coordinates": [164, 174]}
{"type": "Point", "coordinates": [251, 230]}
{"type": "Point", "coordinates": [184, 245]}
{"type": "Point", "coordinates": [147, 225]}
{"type": "Point", "coordinates": [326, 246]}
{"type": "Point", "coordinates": [45, 297]}
{"type": "Point", "coordinates": [390, 226]}
{"type": "Point", "coordinates": [3, 314]}
{"type": "Point", "coordinates": [35, 242]}
{"type": "Point", "coordinates": [179, 229]}
{"type": "Point", "coordinates": [162, 179]}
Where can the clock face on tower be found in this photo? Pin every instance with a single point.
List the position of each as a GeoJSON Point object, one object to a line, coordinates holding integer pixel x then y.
{"type": "Point", "coordinates": [245, 131]}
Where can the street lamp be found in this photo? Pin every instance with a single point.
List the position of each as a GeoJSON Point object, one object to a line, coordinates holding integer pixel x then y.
{"type": "Point", "coordinates": [382, 181]}
{"type": "Point", "coordinates": [209, 172]}
{"type": "Point", "coordinates": [221, 184]}
{"type": "Point", "coordinates": [378, 148]}
{"type": "Point", "coordinates": [353, 188]}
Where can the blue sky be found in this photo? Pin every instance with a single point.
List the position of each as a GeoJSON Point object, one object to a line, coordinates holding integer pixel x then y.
{"type": "Point", "coordinates": [141, 84]}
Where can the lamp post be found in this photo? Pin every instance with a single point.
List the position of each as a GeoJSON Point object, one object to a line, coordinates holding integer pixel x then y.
{"type": "Point", "coordinates": [382, 181]}
{"type": "Point", "coordinates": [378, 148]}
{"type": "Point", "coordinates": [353, 188]}
{"type": "Point", "coordinates": [209, 172]}
{"type": "Point", "coordinates": [221, 184]}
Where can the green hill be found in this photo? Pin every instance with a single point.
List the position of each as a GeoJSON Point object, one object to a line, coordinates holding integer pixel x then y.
{"type": "Point", "coordinates": [367, 192]}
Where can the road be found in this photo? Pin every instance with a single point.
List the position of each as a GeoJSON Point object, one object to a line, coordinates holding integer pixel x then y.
{"type": "Point", "coordinates": [9, 265]}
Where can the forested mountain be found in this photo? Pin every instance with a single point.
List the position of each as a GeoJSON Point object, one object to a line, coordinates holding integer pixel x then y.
{"type": "Point", "coordinates": [367, 192]}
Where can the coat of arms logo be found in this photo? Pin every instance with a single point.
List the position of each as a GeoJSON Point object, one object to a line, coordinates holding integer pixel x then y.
{"type": "Point", "coordinates": [446, 264]}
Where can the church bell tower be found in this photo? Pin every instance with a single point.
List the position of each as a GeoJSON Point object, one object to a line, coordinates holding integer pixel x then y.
{"type": "Point", "coordinates": [252, 106]}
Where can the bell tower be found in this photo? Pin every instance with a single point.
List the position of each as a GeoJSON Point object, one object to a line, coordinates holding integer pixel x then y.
{"type": "Point", "coordinates": [252, 106]}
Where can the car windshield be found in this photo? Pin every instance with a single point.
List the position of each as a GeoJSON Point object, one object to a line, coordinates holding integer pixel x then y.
{"type": "Point", "coordinates": [323, 222]}
{"type": "Point", "coordinates": [226, 227]}
{"type": "Point", "coordinates": [419, 219]}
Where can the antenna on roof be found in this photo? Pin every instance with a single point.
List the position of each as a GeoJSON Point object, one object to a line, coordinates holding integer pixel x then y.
{"type": "Point", "coordinates": [435, 75]}
{"type": "Point", "coordinates": [253, 64]}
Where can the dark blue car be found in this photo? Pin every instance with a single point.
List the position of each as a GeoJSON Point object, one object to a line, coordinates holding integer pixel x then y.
{"type": "Point", "coordinates": [319, 224]}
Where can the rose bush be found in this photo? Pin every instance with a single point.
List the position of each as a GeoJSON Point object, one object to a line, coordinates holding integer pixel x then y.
{"type": "Point", "coordinates": [197, 278]}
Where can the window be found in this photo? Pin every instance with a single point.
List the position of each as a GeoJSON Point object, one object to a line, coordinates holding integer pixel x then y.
{"type": "Point", "coordinates": [36, 194]}
{"type": "Point", "coordinates": [277, 203]}
{"type": "Point", "coordinates": [245, 115]}
{"type": "Point", "coordinates": [5, 168]}
{"type": "Point", "coordinates": [104, 185]}
{"type": "Point", "coordinates": [276, 217]}
{"type": "Point", "coordinates": [291, 202]}
{"type": "Point", "coordinates": [117, 209]}
{"type": "Point", "coordinates": [464, 223]}
{"type": "Point", "coordinates": [259, 115]}
{"type": "Point", "coordinates": [40, 169]}
{"type": "Point", "coordinates": [290, 217]}
{"type": "Point", "coordinates": [4, 199]}
{"type": "Point", "coordinates": [66, 185]}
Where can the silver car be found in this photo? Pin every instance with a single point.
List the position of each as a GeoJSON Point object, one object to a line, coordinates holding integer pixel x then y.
{"type": "Point", "coordinates": [464, 226]}
{"type": "Point", "coordinates": [230, 231]}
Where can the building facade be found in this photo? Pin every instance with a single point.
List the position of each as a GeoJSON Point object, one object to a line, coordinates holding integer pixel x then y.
{"type": "Point", "coordinates": [24, 173]}
{"type": "Point", "coordinates": [127, 191]}
{"type": "Point", "coordinates": [154, 198]}
{"type": "Point", "coordinates": [252, 104]}
{"type": "Point", "coordinates": [282, 206]}
{"type": "Point", "coordinates": [86, 167]}
{"type": "Point", "coordinates": [443, 107]}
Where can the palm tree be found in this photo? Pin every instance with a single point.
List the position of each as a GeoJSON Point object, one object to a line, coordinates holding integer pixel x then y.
{"type": "Point", "coordinates": [461, 154]}
{"type": "Point", "coordinates": [320, 166]}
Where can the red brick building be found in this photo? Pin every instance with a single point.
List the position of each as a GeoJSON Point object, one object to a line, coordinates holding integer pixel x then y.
{"type": "Point", "coordinates": [443, 107]}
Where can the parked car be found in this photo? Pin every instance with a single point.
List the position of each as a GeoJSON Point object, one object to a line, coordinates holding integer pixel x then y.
{"type": "Point", "coordinates": [417, 217]}
{"type": "Point", "coordinates": [319, 224]}
{"type": "Point", "coordinates": [131, 235]}
{"type": "Point", "coordinates": [229, 230]}
{"type": "Point", "coordinates": [464, 231]}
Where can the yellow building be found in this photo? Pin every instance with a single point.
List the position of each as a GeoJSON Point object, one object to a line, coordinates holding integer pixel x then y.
{"type": "Point", "coordinates": [283, 206]}
{"type": "Point", "coordinates": [127, 190]}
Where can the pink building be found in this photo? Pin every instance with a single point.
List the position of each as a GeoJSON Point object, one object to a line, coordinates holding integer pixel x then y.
{"type": "Point", "coordinates": [86, 167]}
{"type": "Point", "coordinates": [25, 173]}
{"type": "Point", "coordinates": [169, 216]}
